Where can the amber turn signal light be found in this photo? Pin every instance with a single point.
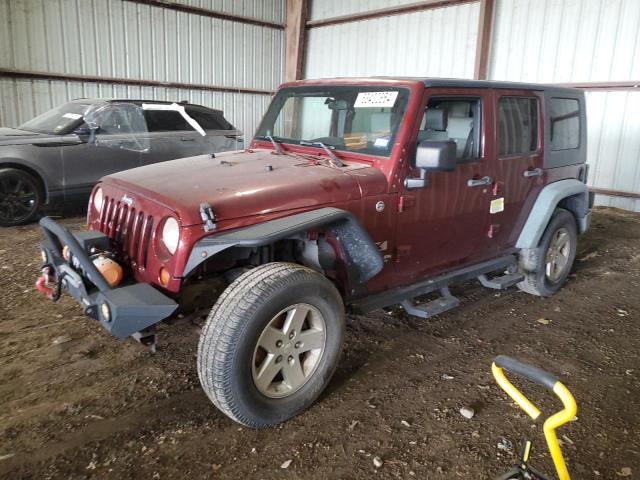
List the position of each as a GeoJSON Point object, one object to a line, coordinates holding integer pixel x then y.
{"type": "Point", "coordinates": [164, 277]}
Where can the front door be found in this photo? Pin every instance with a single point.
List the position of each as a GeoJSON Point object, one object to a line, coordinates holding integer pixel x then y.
{"type": "Point", "coordinates": [444, 224]}
{"type": "Point", "coordinates": [114, 145]}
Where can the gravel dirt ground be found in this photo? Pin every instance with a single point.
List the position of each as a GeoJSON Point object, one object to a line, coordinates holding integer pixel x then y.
{"type": "Point", "coordinates": [77, 403]}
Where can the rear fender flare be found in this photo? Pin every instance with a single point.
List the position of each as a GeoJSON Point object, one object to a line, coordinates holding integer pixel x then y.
{"type": "Point", "coordinates": [571, 194]}
{"type": "Point", "coordinates": [363, 258]}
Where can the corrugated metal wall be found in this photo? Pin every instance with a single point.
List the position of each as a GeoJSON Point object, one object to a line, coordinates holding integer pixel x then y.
{"type": "Point", "coordinates": [438, 43]}
{"type": "Point", "coordinates": [581, 41]}
{"type": "Point", "coordinates": [126, 39]}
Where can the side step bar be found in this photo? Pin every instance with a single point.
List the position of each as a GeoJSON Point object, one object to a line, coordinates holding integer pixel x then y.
{"type": "Point", "coordinates": [404, 295]}
{"type": "Point", "coordinates": [434, 307]}
{"type": "Point", "coordinates": [502, 282]}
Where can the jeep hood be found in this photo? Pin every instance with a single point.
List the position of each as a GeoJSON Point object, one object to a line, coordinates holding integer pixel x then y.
{"type": "Point", "coordinates": [246, 183]}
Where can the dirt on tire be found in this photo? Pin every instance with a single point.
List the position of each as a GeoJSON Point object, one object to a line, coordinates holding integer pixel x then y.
{"type": "Point", "coordinates": [77, 403]}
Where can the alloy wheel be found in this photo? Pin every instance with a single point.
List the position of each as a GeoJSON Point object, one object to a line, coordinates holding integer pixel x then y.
{"type": "Point", "coordinates": [289, 350]}
{"type": "Point", "coordinates": [557, 255]}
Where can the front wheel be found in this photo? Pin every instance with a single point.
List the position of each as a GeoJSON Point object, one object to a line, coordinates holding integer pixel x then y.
{"type": "Point", "coordinates": [271, 343]}
{"type": "Point", "coordinates": [20, 197]}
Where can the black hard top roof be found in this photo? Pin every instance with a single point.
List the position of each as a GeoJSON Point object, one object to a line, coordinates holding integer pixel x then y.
{"type": "Point", "coordinates": [462, 83]}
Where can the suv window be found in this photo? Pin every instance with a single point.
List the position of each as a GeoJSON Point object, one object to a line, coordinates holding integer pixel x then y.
{"type": "Point", "coordinates": [517, 125]}
{"type": "Point", "coordinates": [119, 119]}
{"type": "Point", "coordinates": [165, 121]}
{"type": "Point", "coordinates": [565, 123]}
{"type": "Point", "coordinates": [456, 119]}
{"type": "Point", "coordinates": [208, 119]}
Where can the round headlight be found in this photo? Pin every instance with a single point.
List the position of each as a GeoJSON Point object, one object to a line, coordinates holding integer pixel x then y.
{"type": "Point", "coordinates": [171, 234]}
{"type": "Point", "coordinates": [97, 200]}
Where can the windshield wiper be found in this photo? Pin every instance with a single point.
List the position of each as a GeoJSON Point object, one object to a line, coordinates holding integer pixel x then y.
{"type": "Point", "coordinates": [276, 145]}
{"type": "Point", "coordinates": [335, 160]}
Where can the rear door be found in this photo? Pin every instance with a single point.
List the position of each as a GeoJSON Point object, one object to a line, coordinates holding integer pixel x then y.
{"type": "Point", "coordinates": [170, 137]}
{"type": "Point", "coordinates": [518, 175]}
{"type": "Point", "coordinates": [221, 136]}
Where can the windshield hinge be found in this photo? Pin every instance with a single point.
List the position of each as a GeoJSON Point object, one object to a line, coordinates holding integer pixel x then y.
{"type": "Point", "coordinates": [208, 217]}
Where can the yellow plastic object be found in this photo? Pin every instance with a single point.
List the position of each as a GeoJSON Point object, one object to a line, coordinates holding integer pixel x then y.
{"type": "Point", "coordinates": [552, 423]}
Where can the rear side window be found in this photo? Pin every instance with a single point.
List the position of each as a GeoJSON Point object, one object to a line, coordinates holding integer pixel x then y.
{"type": "Point", "coordinates": [564, 123]}
{"type": "Point", "coordinates": [165, 121]}
{"type": "Point", "coordinates": [209, 119]}
{"type": "Point", "coordinates": [517, 125]}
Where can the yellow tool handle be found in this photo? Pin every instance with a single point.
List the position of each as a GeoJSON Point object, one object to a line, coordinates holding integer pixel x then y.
{"type": "Point", "coordinates": [547, 380]}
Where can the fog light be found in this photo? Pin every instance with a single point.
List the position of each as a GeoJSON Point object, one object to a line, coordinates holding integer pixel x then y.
{"type": "Point", "coordinates": [106, 314]}
{"type": "Point", "coordinates": [43, 254]}
{"type": "Point", "coordinates": [164, 277]}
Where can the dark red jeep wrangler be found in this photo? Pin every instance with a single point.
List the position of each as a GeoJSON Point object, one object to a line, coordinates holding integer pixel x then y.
{"type": "Point", "coordinates": [355, 194]}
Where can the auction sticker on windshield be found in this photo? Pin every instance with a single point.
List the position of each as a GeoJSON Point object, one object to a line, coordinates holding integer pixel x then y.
{"type": "Point", "coordinates": [375, 99]}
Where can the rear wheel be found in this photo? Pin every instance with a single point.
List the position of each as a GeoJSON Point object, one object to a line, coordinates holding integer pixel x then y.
{"type": "Point", "coordinates": [547, 267]}
{"type": "Point", "coordinates": [20, 197]}
{"type": "Point", "coordinates": [271, 343]}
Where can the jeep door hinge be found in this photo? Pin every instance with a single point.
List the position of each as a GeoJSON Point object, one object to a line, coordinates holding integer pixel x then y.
{"type": "Point", "coordinates": [208, 217]}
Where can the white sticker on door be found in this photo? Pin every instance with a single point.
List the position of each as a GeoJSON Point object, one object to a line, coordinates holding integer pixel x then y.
{"type": "Point", "coordinates": [376, 99]}
{"type": "Point", "coordinates": [497, 205]}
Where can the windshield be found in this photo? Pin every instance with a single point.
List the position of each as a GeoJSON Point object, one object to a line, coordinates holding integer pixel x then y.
{"type": "Point", "coordinates": [355, 119]}
{"type": "Point", "coordinates": [57, 121]}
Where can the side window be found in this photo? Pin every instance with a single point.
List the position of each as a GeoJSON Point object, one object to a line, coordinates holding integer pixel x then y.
{"type": "Point", "coordinates": [116, 120]}
{"type": "Point", "coordinates": [517, 125]}
{"type": "Point", "coordinates": [457, 119]}
{"type": "Point", "coordinates": [564, 123]}
{"type": "Point", "coordinates": [208, 119]}
{"type": "Point", "coordinates": [165, 121]}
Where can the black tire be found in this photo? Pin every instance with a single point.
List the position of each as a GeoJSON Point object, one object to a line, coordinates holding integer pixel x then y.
{"type": "Point", "coordinates": [230, 338]}
{"type": "Point", "coordinates": [534, 261]}
{"type": "Point", "coordinates": [20, 197]}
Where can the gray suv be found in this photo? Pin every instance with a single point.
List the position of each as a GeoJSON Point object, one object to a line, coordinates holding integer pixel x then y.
{"type": "Point", "coordinates": [56, 158]}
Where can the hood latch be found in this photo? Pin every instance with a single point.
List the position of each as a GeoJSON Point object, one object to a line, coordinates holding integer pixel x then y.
{"type": "Point", "coordinates": [208, 217]}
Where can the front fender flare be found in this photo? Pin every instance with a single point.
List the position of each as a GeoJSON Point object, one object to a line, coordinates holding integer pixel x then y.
{"type": "Point", "coordinates": [364, 260]}
{"type": "Point", "coordinates": [546, 203]}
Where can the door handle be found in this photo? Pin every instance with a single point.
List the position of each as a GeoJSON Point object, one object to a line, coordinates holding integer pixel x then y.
{"type": "Point", "coordinates": [472, 182]}
{"type": "Point", "coordinates": [185, 139]}
{"type": "Point", "coordinates": [536, 172]}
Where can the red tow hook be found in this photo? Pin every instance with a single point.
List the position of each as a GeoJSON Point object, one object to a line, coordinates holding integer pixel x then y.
{"type": "Point", "coordinates": [43, 282]}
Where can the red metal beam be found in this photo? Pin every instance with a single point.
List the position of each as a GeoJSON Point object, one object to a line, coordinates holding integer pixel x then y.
{"type": "Point", "coordinates": [294, 39]}
{"type": "Point", "coordinates": [483, 40]}
{"type": "Point", "coordinates": [615, 193]}
{"type": "Point", "coordinates": [386, 12]}
{"type": "Point", "coordinates": [169, 5]}
{"type": "Point", "coordinates": [128, 81]}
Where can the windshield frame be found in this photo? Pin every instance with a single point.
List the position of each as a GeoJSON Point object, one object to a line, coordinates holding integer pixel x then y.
{"type": "Point", "coordinates": [402, 103]}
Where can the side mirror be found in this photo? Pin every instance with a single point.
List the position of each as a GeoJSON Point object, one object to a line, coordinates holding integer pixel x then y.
{"type": "Point", "coordinates": [432, 155]}
{"type": "Point", "coordinates": [436, 155]}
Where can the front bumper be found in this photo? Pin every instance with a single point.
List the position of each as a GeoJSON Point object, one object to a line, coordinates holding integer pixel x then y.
{"type": "Point", "coordinates": [122, 311]}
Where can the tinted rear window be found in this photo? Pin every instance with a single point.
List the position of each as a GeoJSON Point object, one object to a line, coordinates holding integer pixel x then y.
{"type": "Point", "coordinates": [517, 125]}
{"type": "Point", "coordinates": [165, 121]}
{"type": "Point", "coordinates": [208, 119]}
{"type": "Point", "coordinates": [564, 123]}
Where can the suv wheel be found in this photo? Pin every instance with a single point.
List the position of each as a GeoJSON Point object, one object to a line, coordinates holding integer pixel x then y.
{"type": "Point", "coordinates": [20, 197]}
{"type": "Point", "coordinates": [271, 343]}
{"type": "Point", "coordinates": [548, 266]}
